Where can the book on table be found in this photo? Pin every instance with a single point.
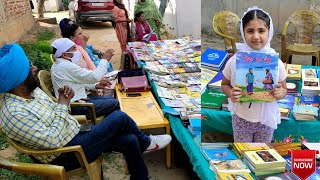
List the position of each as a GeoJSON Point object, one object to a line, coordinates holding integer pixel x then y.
{"type": "Point", "coordinates": [265, 159]}
{"type": "Point", "coordinates": [234, 176]}
{"type": "Point", "coordinates": [221, 154]}
{"type": "Point", "coordinates": [257, 74]}
{"type": "Point", "coordinates": [293, 72]}
{"type": "Point", "coordinates": [292, 87]}
{"type": "Point", "coordinates": [228, 166]}
{"type": "Point", "coordinates": [305, 112]}
{"type": "Point", "coordinates": [213, 59]}
{"type": "Point", "coordinates": [206, 76]}
{"type": "Point", "coordinates": [309, 101]}
{"type": "Point", "coordinates": [213, 100]}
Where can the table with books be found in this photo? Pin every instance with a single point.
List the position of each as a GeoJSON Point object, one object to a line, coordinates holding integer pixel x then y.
{"type": "Point", "coordinates": [174, 76]}
{"type": "Point", "coordinates": [294, 127]}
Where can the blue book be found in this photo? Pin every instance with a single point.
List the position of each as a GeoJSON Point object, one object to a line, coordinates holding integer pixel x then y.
{"type": "Point", "coordinates": [218, 154]}
{"type": "Point", "coordinates": [195, 124]}
{"type": "Point", "coordinates": [287, 102]}
{"type": "Point", "coordinates": [214, 58]}
{"type": "Point", "coordinates": [309, 101]}
{"type": "Point", "coordinates": [307, 110]}
{"type": "Point", "coordinates": [257, 74]}
{"type": "Point", "coordinates": [218, 77]}
{"type": "Point", "coordinates": [318, 73]}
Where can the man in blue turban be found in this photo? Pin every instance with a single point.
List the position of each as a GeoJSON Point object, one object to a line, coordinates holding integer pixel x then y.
{"type": "Point", "coordinates": [14, 67]}
{"type": "Point", "coordinates": [31, 117]}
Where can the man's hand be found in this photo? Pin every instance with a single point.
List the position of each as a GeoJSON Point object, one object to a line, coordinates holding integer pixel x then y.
{"type": "Point", "coordinates": [103, 83]}
{"type": "Point", "coordinates": [65, 95]}
{"type": "Point", "coordinates": [277, 92]}
{"type": "Point", "coordinates": [236, 94]}
{"type": "Point", "coordinates": [108, 54]}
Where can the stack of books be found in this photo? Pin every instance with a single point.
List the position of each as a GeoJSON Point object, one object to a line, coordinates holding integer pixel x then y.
{"type": "Point", "coordinates": [265, 162]}
{"type": "Point", "coordinates": [310, 82]}
{"type": "Point", "coordinates": [309, 101]}
{"type": "Point", "coordinates": [224, 105]}
{"type": "Point", "coordinates": [229, 166]}
{"type": "Point", "coordinates": [240, 148]}
{"type": "Point", "coordinates": [305, 113]}
{"type": "Point", "coordinates": [293, 72]}
{"type": "Point", "coordinates": [213, 59]}
{"type": "Point", "coordinates": [195, 126]}
{"type": "Point", "coordinates": [206, 76]}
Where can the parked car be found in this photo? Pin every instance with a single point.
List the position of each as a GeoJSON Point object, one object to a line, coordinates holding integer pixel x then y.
{"type": "Point", "coordinates": [93, 10]}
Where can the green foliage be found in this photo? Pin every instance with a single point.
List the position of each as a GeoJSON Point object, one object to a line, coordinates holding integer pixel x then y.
{"type": "Point", "coordinates": [165, 29]}
{"type": "Point", "coordinates": [47, 35]}
{"type": "Point", "coordinates": [10, 175]}
{"type": "Point", "coordinates": [39, 54]}
{"type": "Point", "coordinates": [3, 142]}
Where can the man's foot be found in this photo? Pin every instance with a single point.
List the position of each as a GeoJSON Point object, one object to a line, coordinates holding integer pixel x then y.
{"type": "Point", "coordinates": [158, 142]}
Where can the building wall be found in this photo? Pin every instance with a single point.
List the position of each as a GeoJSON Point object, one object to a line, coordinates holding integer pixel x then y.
{"type": "Point", "coordinates": [278, 10]}
{"type": "Point", "coordinates": [15, 20]}
{"type": "Point", "coordinates": [49, 6]}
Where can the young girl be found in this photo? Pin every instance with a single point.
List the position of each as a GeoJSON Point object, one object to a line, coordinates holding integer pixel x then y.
{"type": "Point", "coordinates": [256, 122]}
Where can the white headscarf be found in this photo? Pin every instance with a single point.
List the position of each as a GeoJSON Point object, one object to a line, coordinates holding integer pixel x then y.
{"type": "Point", "coordinates": [267, 107]}
{"type": "Point", "coordinates": [62, 45]}
{"type": "Point", "coordinates": [266, 48]}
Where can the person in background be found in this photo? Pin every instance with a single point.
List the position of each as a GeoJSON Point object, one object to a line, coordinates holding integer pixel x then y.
{"type": "Point", "coordinates": [142, 30]}
{"type": "Point", "coordinates": [122, 21]}
{"type": "Point", "coordinates": [72, 9]}
{"type": "Point", "coordinates": [151, 14]}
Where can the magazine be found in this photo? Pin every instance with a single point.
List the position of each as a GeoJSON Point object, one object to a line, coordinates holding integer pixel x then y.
{"type": "Point", "coordinates": [257, 74]}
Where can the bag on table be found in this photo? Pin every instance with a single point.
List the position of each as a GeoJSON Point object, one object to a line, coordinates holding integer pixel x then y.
{"type": "Point", "coordinates": [133, 80]}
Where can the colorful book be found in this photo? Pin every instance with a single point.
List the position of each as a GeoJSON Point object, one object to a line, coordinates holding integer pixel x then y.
{"type": "Point", "coordinates": [309, 101]}
{"type": "Point", "coordinates": [285, 113]}
{"type": "Point", "coordinates": [256, 75]}
{"type": "Point", "coordinates": [287, 175]}
{"type": "Point", "coordinates": [293, 72]}
{"type": "Point", "coordinates": [218, 154]}
{"type": "Point", "coordinates": [308, 110]}
{"type": "Point", "coordinates": [211, 99]}
{"type": "Point", "coordinates": [292, 87]}
{"type": "Point", "coordinates": [234, 175]}
{"type": "Point", "coordinates": [228, 166]}
{"type": "Point", "coordinates": [309, 73]}
{"type": "Point", "coordinates": [287, 102]}
{"type": "Point", "coordinates": [206, 76]}
{"type": "Point", "coordinates": [195, 124]}
{"type": "Point", "coordinates": [213, 58]}
{"type": "Point", "coordinates": [265, 159]}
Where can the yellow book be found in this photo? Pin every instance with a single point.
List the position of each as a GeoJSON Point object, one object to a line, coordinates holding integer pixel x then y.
{"type": "Point", "coordinates": [234, 175]}
{"type": "Point", "coordinates": [293, 71]}
{"type": "Point", "coordinates": [265, 159]}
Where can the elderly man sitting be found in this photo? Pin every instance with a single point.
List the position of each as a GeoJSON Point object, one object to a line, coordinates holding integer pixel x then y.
{"type": "Point", "coordinates": [65, 72]}
{"type": "Point", "coordinates": [30, 117]}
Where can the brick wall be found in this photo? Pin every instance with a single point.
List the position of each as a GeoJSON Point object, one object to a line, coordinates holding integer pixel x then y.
{"type": "Point", "coordinates": [15, 20]}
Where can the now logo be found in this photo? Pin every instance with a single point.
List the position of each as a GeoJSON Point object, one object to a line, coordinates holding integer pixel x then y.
{"type": "Point", "coordinates": [303, 163]}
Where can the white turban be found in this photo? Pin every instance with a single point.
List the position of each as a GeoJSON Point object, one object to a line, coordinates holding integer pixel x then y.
{"type": "Point", "coordinates": [62, 45]}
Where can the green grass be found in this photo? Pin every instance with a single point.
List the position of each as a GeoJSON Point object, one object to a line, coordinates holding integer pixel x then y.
{"type": "Point", "coordinates": [3, 142]}
{"type": "Point", "coordinates": [47, 35]}
{"type": "Point", "coordinates": [10, 175]}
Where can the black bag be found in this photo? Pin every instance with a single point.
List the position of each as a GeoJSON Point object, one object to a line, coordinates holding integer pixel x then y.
{"type": "Point", "coordinates": [133, 80]}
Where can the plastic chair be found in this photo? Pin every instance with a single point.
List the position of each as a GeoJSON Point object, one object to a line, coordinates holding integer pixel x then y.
{"type": "Point", "coordinates": [46, 85]}
{"type": "Point", "coordinates": [94, 168]}
{"type": "Point", "coordinates": [44, 170]}
{"type": "Point", "coordinates": [53, 60]}
{"type": "Point", "coordinates": [225, 24]}
{"type": "Point", "coordinates": [304, 22]}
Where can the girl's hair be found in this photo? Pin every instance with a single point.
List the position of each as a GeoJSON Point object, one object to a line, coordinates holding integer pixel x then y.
{"type": "Point", "coordinates": [70, 29]}
{"type": "Point", "coordinates": [255, 14]}
{"type": "Point", "coordinates": [137, 15]}
{"type": "Point", "coordinates": [63, 23]}
{"type": "Point", "coordinates": [121, 6]}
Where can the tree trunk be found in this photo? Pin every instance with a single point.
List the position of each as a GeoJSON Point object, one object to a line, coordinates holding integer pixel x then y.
{"type": "Point", "coordinates": [40, 9]}
{"type": "Point", "coordinates": [163, 6]}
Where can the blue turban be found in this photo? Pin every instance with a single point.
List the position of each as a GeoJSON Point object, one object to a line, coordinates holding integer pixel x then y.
{"type": "Point", "coordinates": [14, 67]}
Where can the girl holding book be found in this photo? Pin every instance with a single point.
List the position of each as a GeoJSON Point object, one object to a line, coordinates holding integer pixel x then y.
{"type": "Point", "coordinates": [254, 122]}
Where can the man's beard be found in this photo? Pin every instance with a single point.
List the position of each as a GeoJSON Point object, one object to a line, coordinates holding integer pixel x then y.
{"type": "Point", "coordinates": [31, 82]}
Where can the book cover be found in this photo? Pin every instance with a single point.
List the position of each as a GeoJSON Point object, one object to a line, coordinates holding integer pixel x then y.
{"type": "Point", "coordinates": [218, 154]}
{"type": "Point", "coordinates": [293, 71]}
{"type": "Point", "coordinates": [308, 110]}
{"type": "Point", "coordinates": [195, 124]}
{"type": "Point", "coordinates": [214, 57]}
{"type": "Point", "coordinates": [228, 166]}
{"type": "Point", "coordinates": [292, 87]}
{"type": "Point", "coordinates": [309, 73]}
{"type": "Point", "coordinates": [287, 102]}
{"type": "Point", "coordinates": [265, 170]}
{"type": "Point", "coordinates": [212, 99]}
{"type": "Point", "coordinates": [256, 75]}
{"type": "Point", "coordinates": [284, 113]}
{"type": "Point", "coordinates": [287, 175]}
{"type": "Point", "coordinates": [309, 101]}
{"type": "Point", "coordinates": [235, 176]}
{"type": "Point", "coordinates": [206, 76]}
{"type": "Point", "coordinates": [265, 158]}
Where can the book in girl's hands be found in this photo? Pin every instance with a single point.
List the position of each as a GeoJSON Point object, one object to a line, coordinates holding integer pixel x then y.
{"type": "Point", "coordinates": [257, 74]}
{"type": "Point", "coordinates": [218, 154]}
